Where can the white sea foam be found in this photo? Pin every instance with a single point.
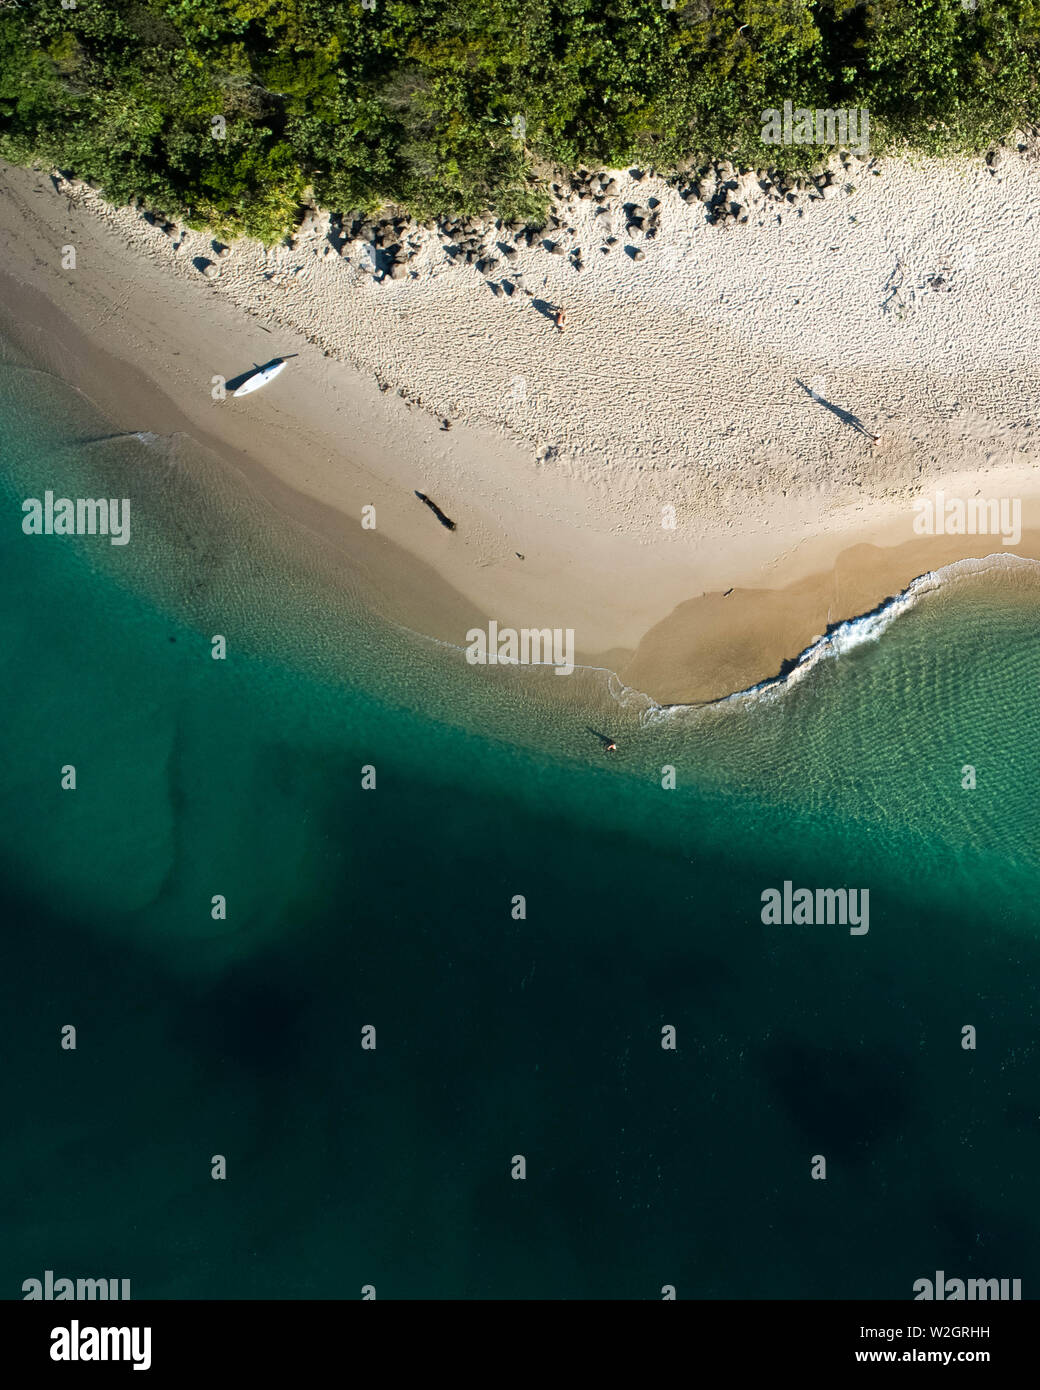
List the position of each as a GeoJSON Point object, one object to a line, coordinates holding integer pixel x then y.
{"type": "Point", "coordinates": [847, 636]}
{"type": "Point", "coordinates": [842, 638]}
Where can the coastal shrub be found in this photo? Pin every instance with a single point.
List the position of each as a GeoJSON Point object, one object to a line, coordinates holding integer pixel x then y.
{"type": "Point", "coordinates": [222, 112]}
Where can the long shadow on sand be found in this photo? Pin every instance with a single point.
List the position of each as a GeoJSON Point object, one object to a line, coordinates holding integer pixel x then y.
{"type": "Point", "coordinates": [845, 416]}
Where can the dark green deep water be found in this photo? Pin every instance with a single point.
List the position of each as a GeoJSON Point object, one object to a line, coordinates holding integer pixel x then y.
{"type": "Point", "coordinates": [392, 907]}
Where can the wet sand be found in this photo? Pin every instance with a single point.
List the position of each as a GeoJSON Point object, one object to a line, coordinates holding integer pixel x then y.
{"type": "Point", "coordinates": [811, 526]}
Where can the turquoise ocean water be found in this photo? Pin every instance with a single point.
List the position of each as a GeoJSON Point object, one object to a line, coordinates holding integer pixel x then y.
{"type": "Point", "coordinates": [392, 907]}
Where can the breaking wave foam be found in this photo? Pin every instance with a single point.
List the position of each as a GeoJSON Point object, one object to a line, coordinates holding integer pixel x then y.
{"type": "Point", "coordinates": [846, 636]}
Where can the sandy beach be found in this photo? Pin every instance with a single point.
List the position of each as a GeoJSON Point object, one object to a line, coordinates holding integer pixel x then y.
{"type": "Point", "coordinates": [717, 383]}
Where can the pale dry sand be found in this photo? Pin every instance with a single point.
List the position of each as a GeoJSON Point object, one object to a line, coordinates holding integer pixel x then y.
{"type": "Point", "coordinates": [676, 384]}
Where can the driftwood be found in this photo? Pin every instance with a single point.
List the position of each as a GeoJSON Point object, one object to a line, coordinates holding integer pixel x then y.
{"type": "Point", "coordinates": [444, 520]}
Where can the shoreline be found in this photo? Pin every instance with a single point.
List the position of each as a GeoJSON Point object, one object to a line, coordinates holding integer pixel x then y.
{"type": "Point", "coordinates": [133, 330]}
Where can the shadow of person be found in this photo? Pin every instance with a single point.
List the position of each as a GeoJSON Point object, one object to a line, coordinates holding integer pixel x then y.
{"type": "Point", "coordinates": [845, 416]}
{"type": "Point", "coordinates": [609, 746]}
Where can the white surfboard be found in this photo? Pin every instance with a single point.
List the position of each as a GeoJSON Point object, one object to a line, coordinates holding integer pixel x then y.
{"type": "Point", "coordinates": [261, 378]}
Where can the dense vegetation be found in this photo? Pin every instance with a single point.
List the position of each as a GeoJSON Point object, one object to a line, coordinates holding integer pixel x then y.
{"type": "Point", "coordinates": [229, 112]}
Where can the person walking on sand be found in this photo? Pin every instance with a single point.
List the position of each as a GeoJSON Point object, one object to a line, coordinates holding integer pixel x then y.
{"type": "Point", "coordinates": [561, 319]}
